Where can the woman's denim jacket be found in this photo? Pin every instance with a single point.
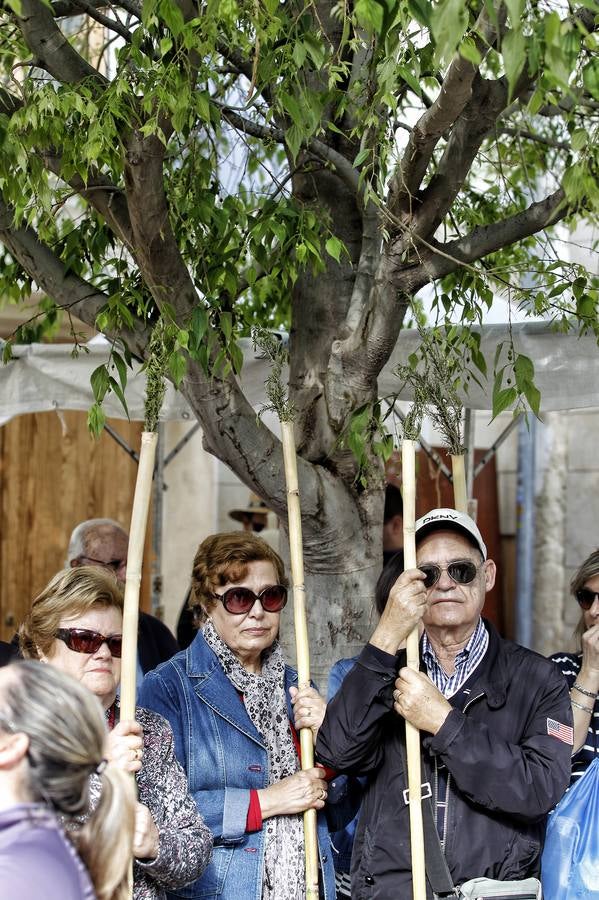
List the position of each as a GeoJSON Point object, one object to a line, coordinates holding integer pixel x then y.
{"type": "Point", "coordinates": [224, 756]}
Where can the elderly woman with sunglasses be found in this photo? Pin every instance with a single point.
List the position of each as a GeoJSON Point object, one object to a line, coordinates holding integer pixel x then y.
{"type": "Point", "coordinates": [581, 669]}
{"type": "Point", "coordinates": [230, 700]}
{"type": "Point", "coordinates": [75, 625]}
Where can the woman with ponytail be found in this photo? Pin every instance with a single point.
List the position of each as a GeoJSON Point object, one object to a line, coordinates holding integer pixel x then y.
{"type": "Point", "coordinates": [75, 625]}
{"type": "Point", "coordinates": [52, 735]}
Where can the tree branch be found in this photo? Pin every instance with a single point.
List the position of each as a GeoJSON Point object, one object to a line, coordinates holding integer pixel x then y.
{"type": "Point", "coordinates": [322, 151]}
{"type": "Point", "coordinates": [53, 51]}
{"type": "Point", "coordinates": [455, 93]}
{"type": "Point", "coordinates": [356, 361]}
{"type": "Point", "coordinates": [100, 192]}
{"type": "Point", "coordinates": [436, 260]}
{"type": "Point", "coordinates": [66, 8]}
{"type": "Point", "coordinates": [531, 136]}
{"type": "Point", "coordinates": [370, 254]}
{"type": "Point", "coordinates": [489, 238]}
{"type": "Point", "coordinates": [9, 103]}
{"type": "Point", "coordinates": [62, 285]}
{"type": "Point", "coordinates": [469, 132]}
{"type": "Point", "coordinates": [112, 24]}
{"type": "Point", "coordinates": [425, 135]}
{"type": "Point", "coordinates": [228, 420]}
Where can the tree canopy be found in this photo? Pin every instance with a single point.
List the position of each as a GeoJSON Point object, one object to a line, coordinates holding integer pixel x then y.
{"type": "Point", "coordinates": [307, 165]}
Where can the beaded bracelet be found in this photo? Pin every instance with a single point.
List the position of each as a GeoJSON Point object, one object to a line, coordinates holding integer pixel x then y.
{"type": "Point", "coordinates": [578, 687]}
{"type": "Point", "coordinates": [587, 709]}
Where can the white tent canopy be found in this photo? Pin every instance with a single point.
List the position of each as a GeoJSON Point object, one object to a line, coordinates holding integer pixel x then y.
{"type": "Point", "coordinates": [45, 377]}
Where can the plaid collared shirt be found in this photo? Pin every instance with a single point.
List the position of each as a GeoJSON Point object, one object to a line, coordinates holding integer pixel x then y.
{"type": "Point", "coordinates": [465, 662]}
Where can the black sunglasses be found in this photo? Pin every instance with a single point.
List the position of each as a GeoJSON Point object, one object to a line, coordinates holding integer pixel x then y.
{"type": "Point", "coordinates": [83, 641]}
{"type": "Point", "coordinates": [462, 571]}
{"type": "Point", "coordinates": [239, 600]}
{"type": "Point", "coordinates": [586, 598]}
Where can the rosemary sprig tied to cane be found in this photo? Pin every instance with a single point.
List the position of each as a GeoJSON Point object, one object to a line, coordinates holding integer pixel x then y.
{"type": "Point", "coordinates": [411, 427]}
{"type": "Point", "coordinates": [159, 351]}
{"type": "Point", "coordinates": [155, 389]}
{"type": "Point", "coordinates": [279, 402]}
{"type": "Point", "coordinates": [433, 383]}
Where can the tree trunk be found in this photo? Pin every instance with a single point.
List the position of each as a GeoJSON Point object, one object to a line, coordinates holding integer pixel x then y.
{"type": "Point", "coordinates": [342, 562]}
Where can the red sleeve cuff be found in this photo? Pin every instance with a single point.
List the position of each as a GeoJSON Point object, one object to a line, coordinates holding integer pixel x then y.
{"type": "Point", "coordinates": [254, 817]}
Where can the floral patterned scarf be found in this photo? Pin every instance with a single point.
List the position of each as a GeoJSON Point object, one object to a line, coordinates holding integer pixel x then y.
{"type": "Point", "coordinates": [265, 704]}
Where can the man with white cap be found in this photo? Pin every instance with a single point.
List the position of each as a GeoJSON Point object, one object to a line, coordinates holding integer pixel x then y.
{"type": "Point", "coordinates": [495, 720]}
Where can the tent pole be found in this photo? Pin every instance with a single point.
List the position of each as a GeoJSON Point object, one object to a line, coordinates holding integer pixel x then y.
{"type": "Point", "coordinates": [525, 529]}
{"type": "Point", "coordinates": [469, 423]}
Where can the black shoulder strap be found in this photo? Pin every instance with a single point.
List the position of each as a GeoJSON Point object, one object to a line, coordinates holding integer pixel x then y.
{"type": "Point", "coordinates": [437, 871]}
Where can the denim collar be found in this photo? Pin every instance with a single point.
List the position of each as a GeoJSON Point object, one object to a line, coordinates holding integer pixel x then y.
{"type": "Point", "coordinates": [210, 684]}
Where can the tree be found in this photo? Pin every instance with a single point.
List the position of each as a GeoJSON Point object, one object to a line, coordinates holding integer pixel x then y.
{"type": "Point", "coordinates": [311, 165]}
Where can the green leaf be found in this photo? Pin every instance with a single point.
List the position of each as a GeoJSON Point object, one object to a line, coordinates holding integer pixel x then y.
{"type": "Point", "coordinates": [449, 21]}
{"type": "Point", "coordinates": [202, 103]}
{"type": "Point", "coordinates": [479, 360]}
{"type": "Point", "coordinates": [420, 9]}
{"type": "Point", "coordinates": [533, 395]}
{"type": "Point", "coordinates": [515, 9]}
{"type": "Point", "coordinates": [7, 351]}
{"type": "Point", "coordinates": [119, 392]}
{"type": "Point", "coordinates": [96, 419]}
{"type": "Point", "coordinates": [590, 78]}
{"type": "Point", "coordinates": [315, 50]}
{"type": "Point", "coordinates": [293, 138]}
{"type": "Point", "coordinates": [578, 286]}
{"type": "Point", "coordinates": [100, 382]}
{"type": "Point", "coordinates": [503, 399]}
{"type": "Point", "coordinates": [299, 54]}
{"type": "Point", "coordinates": [334, 247]}
{"type": "Point", "coordinates": [291, 107]}
{"type": "Point", "coordinates": [410, 80]}
{"type": "Point", "coordinates": [177, 365]}
{"type": "Point", "coordinates": [469, 51]}
{"type": "Point", "coordinates": [579, 138]}
{"type": "Point", "coordinates": [362, 156]}
{"type": "Point", "coordinates": [524, 369]}
{"type": "Point", "coordinates": [370, 15]}
{"type": "Point", "coordinates": [513, 50]}
{"type": "Point", "coordinates": [226, 325]}
{"type": "Point", "coordinates": [236, 354]}
{"type": "Point", "coordinates": [199, 324]}
{"type": "Point", "coordinates": [121, 368]}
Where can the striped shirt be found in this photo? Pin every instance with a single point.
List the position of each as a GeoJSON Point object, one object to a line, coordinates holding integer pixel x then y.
{"type": "Point", "coordinates": [465, 662]}
{"type": "Point", "coordinates": [569, 664]}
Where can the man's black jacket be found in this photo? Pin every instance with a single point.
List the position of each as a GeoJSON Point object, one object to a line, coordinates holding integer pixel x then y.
{"type": "Point", "coordinates": [507, 770]}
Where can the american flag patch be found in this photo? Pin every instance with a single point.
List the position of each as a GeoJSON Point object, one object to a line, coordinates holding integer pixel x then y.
{"type": "Point", "coordinates": [561, 732]}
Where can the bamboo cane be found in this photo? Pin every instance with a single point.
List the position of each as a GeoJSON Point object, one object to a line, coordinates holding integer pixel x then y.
{"type": "Point", "coordinates": [460, 493]}
{"type": "Point", "coordinates": [137, 536]}
{"type": "Point", "coordinates": [301, 640]}
{"type": "Point", "coordinates": [408, 457]}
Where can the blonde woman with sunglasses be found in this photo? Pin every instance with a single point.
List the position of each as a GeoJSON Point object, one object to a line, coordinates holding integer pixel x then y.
{"type": "Point", "coordinates": [75, 625]}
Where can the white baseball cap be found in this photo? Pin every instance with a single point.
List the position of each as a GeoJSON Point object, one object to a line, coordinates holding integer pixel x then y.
{"type": "Point", "coordinates": [437, 519]}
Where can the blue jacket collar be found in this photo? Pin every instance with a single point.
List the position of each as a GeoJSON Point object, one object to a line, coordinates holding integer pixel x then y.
{"type": "Point", "coordinates": [214, 688]}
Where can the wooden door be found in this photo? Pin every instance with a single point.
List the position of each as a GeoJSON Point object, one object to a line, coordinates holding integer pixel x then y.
{"type": "Point", "coordinates": [53, 474]}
